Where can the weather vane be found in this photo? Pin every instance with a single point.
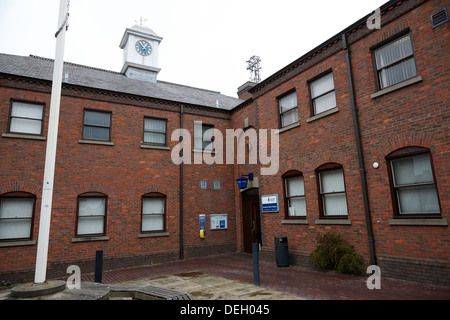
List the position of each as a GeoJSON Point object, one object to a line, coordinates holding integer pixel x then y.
{"type": "Point", "coordinates": [254, 67]}
{"type": "Point", "coordinates": [142, 21]}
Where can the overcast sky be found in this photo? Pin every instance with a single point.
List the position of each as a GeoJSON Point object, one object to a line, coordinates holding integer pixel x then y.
{"type": "Point", "coordinates": [206, 43]}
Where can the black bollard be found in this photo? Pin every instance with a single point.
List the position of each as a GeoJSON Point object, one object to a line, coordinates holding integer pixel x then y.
{"type": "Point", "coordinates": [98, 266]}
{"type": "Point", "coordinates": [255, 252]}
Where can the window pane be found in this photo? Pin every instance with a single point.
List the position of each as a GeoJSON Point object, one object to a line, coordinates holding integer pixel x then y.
{"type": "Point", "coordinates": [322, 85]}
{"type": "Point", "coordinates": [25, 126]}
{"type": "Point", "coordinates": [97, 118]}
{"type": "Point", "coordinates": [412, 170]}
{"type": "Point", "coordinates": [394, 52]}
{"type": "Point", "coordinates": [96, 133]}
{"type": "Point", "coordinates": [398, 73]}
{"type": "Point", "coordinates": [421, 199]}
{"type": "Point", "coordinates": [152, 222]}
{"type": "Point", "coordinates": [15, 228]}
{"type": "Point", "coordinates": [27, 110]}
{"type": "Point", "coordinates": [297, 206]}
{"type": "Point", "coordinates": [90, 225]}
{"type": "Point", "coordinates": [16, 208]}
{"type": "Point", "coordinates": [207, 137]}
{"type": "Point", "coordinates": [91, 206]}
{"type": "Point", "coordinates": [288, 102]}
{"type": "Point", "coordinates": [153, 205]}
{"type": "Point", "coordinates": [155, 125]}
{"type": "Point", "coordinates": [332, 181]}
{"type": "Point", "coordinates": [289, 117]}
{"type": "Point", "coordinates": [325, 102]}
{"type": "Point", "coordinates": [335, 204]}
{"type": "Point", "coordinates": [150, 137]}
{"type": "Point", "coordinates": [295, 186]}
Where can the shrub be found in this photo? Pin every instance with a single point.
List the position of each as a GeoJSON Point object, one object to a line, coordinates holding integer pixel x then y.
{"type": "Point", "coordinates": [333, 252]}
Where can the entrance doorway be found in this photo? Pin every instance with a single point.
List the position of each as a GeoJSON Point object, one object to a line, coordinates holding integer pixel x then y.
{"type": "Point", "coordinates": [251, 218]}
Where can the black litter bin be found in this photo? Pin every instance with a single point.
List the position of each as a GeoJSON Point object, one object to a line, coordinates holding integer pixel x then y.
{"type": "Point", "coordinates": [281, 251]}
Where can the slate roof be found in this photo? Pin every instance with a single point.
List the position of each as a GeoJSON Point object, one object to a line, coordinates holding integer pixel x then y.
{"type": "Point", "coordinates": [42, 68]}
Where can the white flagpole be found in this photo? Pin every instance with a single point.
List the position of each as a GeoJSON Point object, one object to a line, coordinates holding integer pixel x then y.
{"type": "Point", "coordinates": [50, 156]}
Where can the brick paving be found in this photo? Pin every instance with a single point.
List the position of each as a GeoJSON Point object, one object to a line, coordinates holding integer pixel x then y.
{"type": "Point", "coordinates": [296, 280]}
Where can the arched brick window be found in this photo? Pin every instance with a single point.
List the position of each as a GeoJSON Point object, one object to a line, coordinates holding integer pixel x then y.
{"type": "Point", "coordinates": [294, 195]}
{"type": "Point", "coordinates": [153, 212]}
{"type": "Point", "coordinates": [91, 217]}
{"type": "Point", "coordinates": [413, 183]}
{"type": "Point", "coordinates": [16, 215]}
{"type": "Point", "coordinates": [332, 194]}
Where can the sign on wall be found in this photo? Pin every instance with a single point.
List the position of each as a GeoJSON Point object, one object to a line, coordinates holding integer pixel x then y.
{"type": "Point", "coordinates": [269, 203]}
{"type": "Point", "coordinates": [219, 221]}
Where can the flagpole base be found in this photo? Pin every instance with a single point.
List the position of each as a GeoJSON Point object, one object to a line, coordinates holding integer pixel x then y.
{"type": "Point", "coordinates": [31, 290]}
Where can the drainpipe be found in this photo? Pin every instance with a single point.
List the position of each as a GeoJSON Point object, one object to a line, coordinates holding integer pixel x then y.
{"type": "Point", "coordinates": [362, 170]}
{"type": "Point", "coordinates": [181, 188]}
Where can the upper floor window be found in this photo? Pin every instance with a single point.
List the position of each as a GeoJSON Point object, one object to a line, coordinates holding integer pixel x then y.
{"type": "Point", "coordinates": [203, 136]}
{"type": "Point", "coordinates": [91, 219]}
{"type": "Point", "coordinates": [395, 61]}
{"type": "Point", "coordinates": [16, 215]}
{"type": "Point", "coordinates": [323, 96]}
{"type": "Point", "coordinates": [288, 109]}
{"type": "Point", "coordinates": [153, 212]}
{"type": "Point", "coordinates": [294, 194]}
{"type": "Point", "coordinates": [97, 125]}
{"type": "Point", "coordinates": [26, 117]}
{"type": "Point", "coordinates": [155, 131]}
{"type": "Point", "coordinates": [333, 198]}
{"type": "Point", "coordinates": [413, 184]}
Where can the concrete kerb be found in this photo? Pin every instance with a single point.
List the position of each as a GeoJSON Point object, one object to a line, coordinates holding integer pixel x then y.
{"type": "Point", "coordinates": [57, 290]}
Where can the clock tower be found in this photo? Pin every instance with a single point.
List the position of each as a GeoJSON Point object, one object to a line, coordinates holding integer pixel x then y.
{"type": "Point", "coordinates": [140, 53]}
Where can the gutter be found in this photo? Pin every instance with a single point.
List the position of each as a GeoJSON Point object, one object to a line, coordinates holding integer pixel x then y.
{"type": "Point", "coordinates": [362, 170]}
{"type": "Point", "coordinates": [181, 254]}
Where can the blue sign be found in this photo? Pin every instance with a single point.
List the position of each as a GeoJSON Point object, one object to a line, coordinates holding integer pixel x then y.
{"type": "Point", "coordinates": [269, 203]}
{"type": "Point", "coordinates": [202, 220]}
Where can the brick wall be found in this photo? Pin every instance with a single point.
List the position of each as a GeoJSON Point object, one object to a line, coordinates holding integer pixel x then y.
{"type": "Point", "coordinates": [124, 172]}
{"type": "Point", "coordinates": [416, 115]}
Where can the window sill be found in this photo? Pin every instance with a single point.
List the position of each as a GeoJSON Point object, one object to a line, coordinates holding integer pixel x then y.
{"type": "Point", "coordinates": [149, 146]}
{"type": "Point", "coordinates": [294, 221]}
{"type": "Point", "coordinates": [23, 136]}
{"type": "Point", "coordinates": [104, 143]}
{"type": "Point", "coordinates": [334, 221]}
{"type": "Point", "coordinates": [154, 234]}
{"type": "Point", "coordinates": [418, 222]}
{"type": "Point", "coordinates": [87, 239]}
{"type": "Point", "coordinates": [289, 127]}
{"type": "Point", "coordinates": [396, 87]}
{"type": "Point", "coordinates": [323, 114]}
{"type": "Point", "coordinates": [17, 243]}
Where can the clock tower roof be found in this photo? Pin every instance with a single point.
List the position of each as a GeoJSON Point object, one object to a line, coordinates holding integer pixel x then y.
{"type": "Point", "coordinates": [139, 31]}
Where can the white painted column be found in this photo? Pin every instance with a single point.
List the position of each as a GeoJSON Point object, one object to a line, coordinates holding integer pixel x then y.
{"type": "Point", "coordinates": [50, 156]}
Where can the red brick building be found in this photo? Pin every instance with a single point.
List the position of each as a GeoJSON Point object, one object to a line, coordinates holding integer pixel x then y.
{"type": "Point", "coordinates": [362, 122]}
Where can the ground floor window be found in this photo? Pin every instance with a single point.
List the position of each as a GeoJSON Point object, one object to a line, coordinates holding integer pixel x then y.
{"type": "Point", "coordinates": [153, 212]}
{"type": "Point", "coordinates": [91, 218]}
{"type": "Point", "coordinates": [413, 185]}
{"type": "Point", "coordinates": [16, 215]}
{"type": "Point", "coordinates": [333, 198]}
{"type": "Point", "coordinates": [294, 194]}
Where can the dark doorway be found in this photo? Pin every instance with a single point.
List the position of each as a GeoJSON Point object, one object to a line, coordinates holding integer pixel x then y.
{"type": "Point", "coordinates": [251, 218]}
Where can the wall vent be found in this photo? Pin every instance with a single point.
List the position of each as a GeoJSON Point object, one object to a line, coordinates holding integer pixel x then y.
{"type": "Point", "coordinates": [439, 18]}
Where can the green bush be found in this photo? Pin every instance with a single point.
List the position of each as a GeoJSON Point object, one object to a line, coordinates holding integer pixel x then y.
{"type": "Point", "coordinates": [333, 252]}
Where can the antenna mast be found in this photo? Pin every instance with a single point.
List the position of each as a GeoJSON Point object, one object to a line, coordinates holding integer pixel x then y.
{"type": "Point", "coordinates": [254, 67]}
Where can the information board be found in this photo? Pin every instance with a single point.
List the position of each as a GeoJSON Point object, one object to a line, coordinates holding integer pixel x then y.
{"type": "Point", "coordinates": [269, 203]}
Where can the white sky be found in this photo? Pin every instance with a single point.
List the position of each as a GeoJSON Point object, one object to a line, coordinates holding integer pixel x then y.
{"type": "Point", "coordinates": [206, 42]}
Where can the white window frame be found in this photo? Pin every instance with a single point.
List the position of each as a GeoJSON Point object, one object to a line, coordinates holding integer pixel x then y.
{"type": "Point", "coordinates": [18, 119]}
